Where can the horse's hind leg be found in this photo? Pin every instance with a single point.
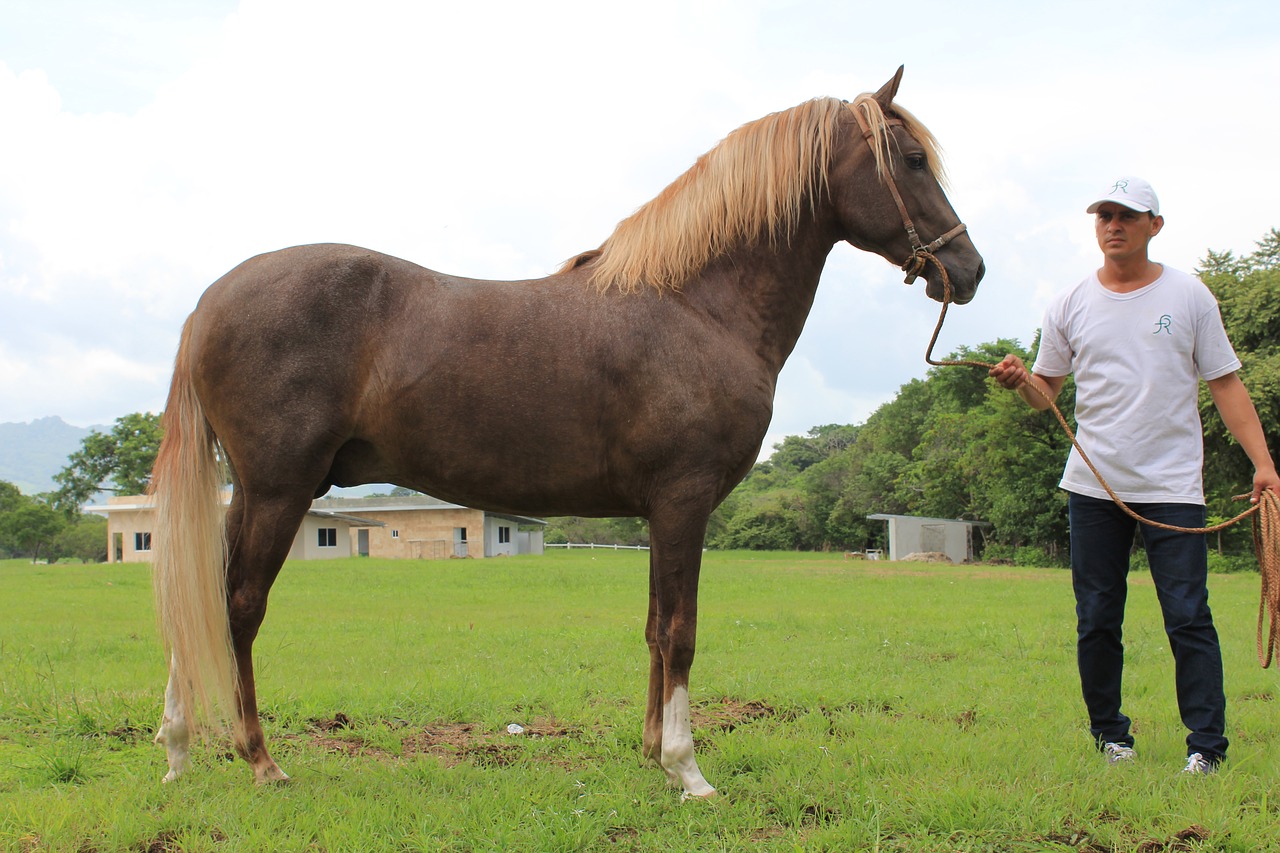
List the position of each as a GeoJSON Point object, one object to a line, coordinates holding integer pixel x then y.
{"type": "Point", "coordinates": [260, 532]}
{"type": "Point", "coordinates": [174, 732]}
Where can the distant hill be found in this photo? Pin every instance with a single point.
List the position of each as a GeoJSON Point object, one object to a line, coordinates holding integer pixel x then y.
{"type": "Point", "coordinates": [31, 453]}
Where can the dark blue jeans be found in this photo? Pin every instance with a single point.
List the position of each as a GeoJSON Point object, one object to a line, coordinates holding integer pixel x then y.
{"type": "Point", "coordinates": [1101, 536]}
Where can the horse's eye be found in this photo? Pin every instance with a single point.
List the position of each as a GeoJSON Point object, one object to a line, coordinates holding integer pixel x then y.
{"type": "Point", "coordinates": [915, 161]}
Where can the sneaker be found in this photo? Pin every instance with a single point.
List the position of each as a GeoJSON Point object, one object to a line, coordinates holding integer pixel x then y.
{"type": "Point", "coordinates": [1118, 753]}
{"type": "Point", "coordinates": [1199, 765]}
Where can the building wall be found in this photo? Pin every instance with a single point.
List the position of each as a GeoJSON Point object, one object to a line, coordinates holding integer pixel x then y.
{"type": "Point", "coordinates": [530, 542]}
{"type": "Point", "coordinates": [411, 533]}
{"type": "Point", "coordinates": [131, 516]}
{"type": "Point", "coordinates": [909, 535]}
{"type": "Point", "coordinates": [417, 534]}
{"type": "Point", "coordinates": [306, 544]}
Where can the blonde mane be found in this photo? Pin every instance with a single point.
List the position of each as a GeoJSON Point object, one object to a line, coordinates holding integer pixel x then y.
{"type": "Point", "coordinates": [752, 185]}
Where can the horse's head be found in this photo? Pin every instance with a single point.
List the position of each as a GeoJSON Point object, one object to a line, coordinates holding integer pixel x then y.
{"type": "Point", "coordinates": [886, 181]}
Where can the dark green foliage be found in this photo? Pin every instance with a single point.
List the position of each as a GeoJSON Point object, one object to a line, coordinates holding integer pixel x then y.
{"type": "Point", "coordinates": [84, 541]}
{"type": "Point", "coordinates": [118, 461]}
{"type": "Point", "coordinates": [28, 526]}
{"type": "Point", "coordinates": [1248, 292]}
{"type": "Point", "coordinates": [598, 531]}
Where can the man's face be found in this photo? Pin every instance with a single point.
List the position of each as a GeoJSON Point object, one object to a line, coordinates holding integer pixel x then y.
{"type": "Point", "coordinates": [1124, 233]}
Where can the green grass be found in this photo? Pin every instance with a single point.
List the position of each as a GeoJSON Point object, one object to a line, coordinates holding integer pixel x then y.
{"type": "Point", "coordinates": [838, 706]}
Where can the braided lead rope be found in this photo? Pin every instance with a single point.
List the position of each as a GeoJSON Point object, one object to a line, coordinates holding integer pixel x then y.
{"type": "Point", "coordinates": [1266, 544]}
{"type": "Point", "coordinates": [1266, 512]}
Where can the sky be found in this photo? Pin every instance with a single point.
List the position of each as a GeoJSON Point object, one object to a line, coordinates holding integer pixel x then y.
{"type": "Point", "coordinates": [147, 147]}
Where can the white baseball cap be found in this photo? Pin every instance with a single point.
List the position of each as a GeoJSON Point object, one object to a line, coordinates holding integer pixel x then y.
{"type": "Point", "coordinates": [1133, 193]}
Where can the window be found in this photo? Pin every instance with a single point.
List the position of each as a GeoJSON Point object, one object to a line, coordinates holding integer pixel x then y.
{"type": "Point", "coordinates": [328, 537]}
{"type": "Point", "coordinates": [142, 541]}
{"type": "Point", "coordinates": [395, 534]}
{"type": "Point", "coordinates": [504, 535]}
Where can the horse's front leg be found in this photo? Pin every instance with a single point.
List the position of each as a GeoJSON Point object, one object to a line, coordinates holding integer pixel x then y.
{"type": "Point", "coordinates": [651, 740]}
{"type": "Point", "coordinates": [675, 558]}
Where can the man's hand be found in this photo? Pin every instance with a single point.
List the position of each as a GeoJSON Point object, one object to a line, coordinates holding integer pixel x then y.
{"type": "Point", "coordinates": [1010, 372]}
{"type": "Point", "coordinates": [1263, 479]}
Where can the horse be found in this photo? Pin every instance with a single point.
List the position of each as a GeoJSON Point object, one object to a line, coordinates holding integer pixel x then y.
{"type": "Point", "coordinates": [636, 380]}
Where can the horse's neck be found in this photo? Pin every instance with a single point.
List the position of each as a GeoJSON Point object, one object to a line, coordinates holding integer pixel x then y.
{"type": "Point", "coordinates": [765, 292]}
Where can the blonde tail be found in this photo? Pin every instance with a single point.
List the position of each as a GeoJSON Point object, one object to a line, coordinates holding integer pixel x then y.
{"type": "Point", "coordinates": [189, 549]}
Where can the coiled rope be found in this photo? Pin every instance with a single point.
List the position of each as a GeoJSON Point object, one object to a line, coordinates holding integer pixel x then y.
{"type": "Point", "coordinates": [1265, 513]}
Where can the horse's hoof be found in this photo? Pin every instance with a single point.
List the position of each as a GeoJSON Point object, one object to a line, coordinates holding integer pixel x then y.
{"type": "Point", "coordinates": [710, 795]}
{"type": "Point", "coordinates": [179, 764]}
{"type": "Point", "coordinates": [272, 775]}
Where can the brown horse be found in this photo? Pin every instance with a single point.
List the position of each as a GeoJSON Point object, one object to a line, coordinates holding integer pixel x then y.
{"type": "Point", "coordinates": [638, 380]}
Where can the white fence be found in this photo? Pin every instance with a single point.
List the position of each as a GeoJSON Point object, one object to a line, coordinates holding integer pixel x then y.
{"type": "Point", "coordinates": [572, 545]}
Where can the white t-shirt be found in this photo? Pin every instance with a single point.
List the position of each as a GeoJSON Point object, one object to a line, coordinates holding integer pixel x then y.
{"type": "Point", "coordinates": [1138, 359]}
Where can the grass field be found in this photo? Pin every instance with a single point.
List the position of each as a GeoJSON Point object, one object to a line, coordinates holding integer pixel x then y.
{"type": "Point", "coordinates": [838, 706]}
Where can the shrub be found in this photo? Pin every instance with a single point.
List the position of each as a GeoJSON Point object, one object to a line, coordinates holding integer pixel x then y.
{"type": "Point", "coordinates": [1229, 563]}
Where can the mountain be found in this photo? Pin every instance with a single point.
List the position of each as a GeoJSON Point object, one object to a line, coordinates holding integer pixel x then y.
{"type": "Point", "coordinates": [31, 453]}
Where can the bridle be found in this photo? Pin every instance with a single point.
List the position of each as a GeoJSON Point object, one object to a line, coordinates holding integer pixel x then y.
{"type": "Point", "coordinates": [921, 252]}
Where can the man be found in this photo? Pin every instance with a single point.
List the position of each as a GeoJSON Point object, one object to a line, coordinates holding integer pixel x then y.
{"type": "Point", "coordinates": [1139, 336]}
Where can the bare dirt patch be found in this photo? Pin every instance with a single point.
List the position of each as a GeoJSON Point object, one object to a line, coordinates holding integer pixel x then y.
{"type": "Point", "coordinates": [727, 714]}
{"type": "Point", "coordinates": [454, 743]}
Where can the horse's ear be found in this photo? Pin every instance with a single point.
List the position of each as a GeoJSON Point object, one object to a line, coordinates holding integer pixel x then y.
{"type": "Point", "coordinates": [889, 90]}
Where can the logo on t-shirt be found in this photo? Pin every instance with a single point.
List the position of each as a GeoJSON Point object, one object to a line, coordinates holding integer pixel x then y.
{"type": "Point", "coordinates": [1164, 324]}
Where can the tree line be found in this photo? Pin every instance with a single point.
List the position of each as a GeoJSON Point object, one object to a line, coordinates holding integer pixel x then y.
{"type": "Point", "coordinates": [950, 445]}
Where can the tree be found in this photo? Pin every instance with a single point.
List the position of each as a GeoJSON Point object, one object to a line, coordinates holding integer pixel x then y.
{"type": "Point", "coordinates": [1246, 290]}
{"type": "Point", "coordinates": [30, 528]}
{"type": "Point", "coordinates": [11, 496]}
{"type": "Point", "coordinates": [119, 461]}
{"type": "Point", "coordinates": [85, 540]}
{"type": "Point", "coordinates": [598, 531]}
{"type": "Point", "coordinates": [766, 522]}
{"type": "Point", "coordinates": [797, 453]}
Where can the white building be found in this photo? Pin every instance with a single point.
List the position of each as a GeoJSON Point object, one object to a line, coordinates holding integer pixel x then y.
{"type": "Point", "coordinates": [914, 534]}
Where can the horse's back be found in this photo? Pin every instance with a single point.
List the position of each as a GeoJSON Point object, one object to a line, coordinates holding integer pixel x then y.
{"type": "Point", "coordinates": [373, 368]}
{"type": "Point", "coordinates": [356, 366]}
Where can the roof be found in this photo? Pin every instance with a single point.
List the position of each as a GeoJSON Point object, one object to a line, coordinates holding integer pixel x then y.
{"type": "Point", "coordinates": [405, 503]}
{"type": "Point", "coordinates": [881, 516]}
{"type": "Point", "coordinates": [353, 520]}
{"type": "Point", "coordinates": [336, 508]}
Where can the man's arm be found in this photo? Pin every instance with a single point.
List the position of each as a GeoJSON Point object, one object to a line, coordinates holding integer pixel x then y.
{"type": "Point", "coordinates": [1036, 389]}
{"type": "Point", "coordinates": [1241, 419]}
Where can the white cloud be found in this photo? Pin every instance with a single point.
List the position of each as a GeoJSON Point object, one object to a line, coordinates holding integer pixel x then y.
{"type": "Point", "coordinates": [495, 140]}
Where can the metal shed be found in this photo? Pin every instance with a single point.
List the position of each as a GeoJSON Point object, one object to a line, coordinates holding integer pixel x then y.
{"type": "Point", "coordinates": [914, 534]}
